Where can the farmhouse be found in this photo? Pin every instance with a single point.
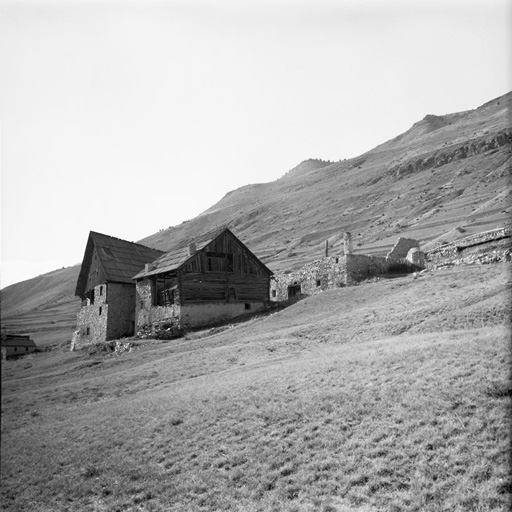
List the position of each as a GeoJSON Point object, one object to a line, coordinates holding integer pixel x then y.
{"type": "Point", "coordinates": [208, 281]}
{"type": "Point", "coordinates": [107, 289]}
{"type": "Point", "coordinates": [16, 345]}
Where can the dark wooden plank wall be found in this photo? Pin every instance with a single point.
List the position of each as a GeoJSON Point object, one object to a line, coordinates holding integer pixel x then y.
{"type": "Point", "coordinates": [96, 274]}
{"type": "Point", "coordinates": [199, 284]}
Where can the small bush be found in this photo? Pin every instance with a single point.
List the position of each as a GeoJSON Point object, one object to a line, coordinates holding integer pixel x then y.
{"type": "Point", "coordinates": [90, 471]}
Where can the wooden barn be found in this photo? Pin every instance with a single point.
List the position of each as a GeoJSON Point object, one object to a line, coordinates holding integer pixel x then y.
{"type": "Point", "coordinates": [209, 281]}
{"type": "Point", "coordinates": [105, 285]}
{"type": "Point", "coordinates": [14, 345]}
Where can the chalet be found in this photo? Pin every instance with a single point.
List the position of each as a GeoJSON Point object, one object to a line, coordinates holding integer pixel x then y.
{"type": "Point", "coordinates": [209, 281]}
{"type": "Point", "coordinates": [16, 345]}
{"type": "Point", "coordinates": [107, 289]}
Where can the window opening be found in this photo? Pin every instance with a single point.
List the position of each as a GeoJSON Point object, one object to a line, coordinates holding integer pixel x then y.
{"type": "Point", "coordinates": [294, 290]}
{"type": "Point", "coordinates": [165, 291]}
{"type": "Point", "coordinates": [219, 261]}
{"type": "Point", "coordinates": [247, 305]}
{"type": "Point", "coordinates": [274, 293]}
{"type": "Point", "coordinates": [100, 310]}
{"type": "Point", "coordinates": [318, 282]}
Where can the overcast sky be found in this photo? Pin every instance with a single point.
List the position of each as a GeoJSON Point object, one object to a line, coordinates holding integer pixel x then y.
{"type": "Point", "coordinates": [126, 117]}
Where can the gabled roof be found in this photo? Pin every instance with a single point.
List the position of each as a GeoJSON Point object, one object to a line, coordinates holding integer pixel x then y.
{"type": "Point", "coordinates": [119, 259]}
{"type": "Point", "coordinates": [13, 340]}
{"type": "Point", "coordinates": [173, 260]}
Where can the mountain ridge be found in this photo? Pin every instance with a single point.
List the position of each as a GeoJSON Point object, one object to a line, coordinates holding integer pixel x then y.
{"type": "Point", "coordinates": [445, 172]}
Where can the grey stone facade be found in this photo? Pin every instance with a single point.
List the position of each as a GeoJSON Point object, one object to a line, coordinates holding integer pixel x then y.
{"type": "Point", "coordinates": [146, 313]}
{"type": "Point", "coordinates": [402, 247]}
{"type": "Point", "coordinates": [110, 315]}
{"type": "Point", "coordinates": [186, 315]}
{"type": "Point", "coordinates": [312, 278]}
{"type": "Point", "coordinates": [335, 272]}
{"type": "Point", "coordinates": [91, 322]}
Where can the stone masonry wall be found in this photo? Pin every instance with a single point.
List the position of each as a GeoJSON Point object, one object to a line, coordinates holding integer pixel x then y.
{"type": "Point", "coordinates": [313, 278]}
{"type": "Point", "coordinates": [402, 247]}
{"type": "Point", "coordinates": [458, 247]}
{"type": "Point", "coordinates": [91, 325]}
{"type": "Point", "coordinates": [146, 314]}
{"type": "Point", "coordinates": [335, 272]}
{"type": "Point", "coordinates": [360, 267]}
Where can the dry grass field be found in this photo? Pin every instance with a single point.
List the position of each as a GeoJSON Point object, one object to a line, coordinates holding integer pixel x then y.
{"type": "Point", "coordinates": [393, 395]}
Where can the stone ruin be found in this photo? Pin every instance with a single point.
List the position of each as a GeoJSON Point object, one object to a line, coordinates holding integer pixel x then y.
{"type": "Point", "coordinates": [346, 269]}
{"type": "Point", "coordinates": [491, 246]}
{"type": "Point", "coordinates": [402, 247]}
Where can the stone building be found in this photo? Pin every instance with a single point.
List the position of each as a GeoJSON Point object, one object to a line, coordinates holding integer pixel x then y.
{"type": "Point", "coordinates": [106, 287]}
{"type": "Point", "coordinates": [14, 345]}
{"type": "Point", "coordinates": [209, 281]}
{"type": "Point", "coordinates": [345, 269]}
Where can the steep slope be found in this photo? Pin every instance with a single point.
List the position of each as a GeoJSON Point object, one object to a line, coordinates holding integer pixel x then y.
{"type": "Point", "coordinates": [45, 305]}
{"type": "Point", "coordinates": [447, 173]}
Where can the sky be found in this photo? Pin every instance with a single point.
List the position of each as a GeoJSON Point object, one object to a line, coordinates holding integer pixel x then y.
{"type": "Point", "coordinates": [129, 116]}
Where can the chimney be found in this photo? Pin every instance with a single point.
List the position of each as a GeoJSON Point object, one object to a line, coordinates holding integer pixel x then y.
{"type": "Point", "coordinates": [148, 267]}
{"type": "Point", "coordinates": [327, 248]}
{"type": "Point", "coordinates": [347, 240]}
{"type": "Point", "coordinates": [191, 248]}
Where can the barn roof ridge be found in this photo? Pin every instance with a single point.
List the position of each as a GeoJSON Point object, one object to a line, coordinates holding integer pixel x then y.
{"type": "Point", "coordinates": [94, 233]}
{"type": "Point", "coordinates": [174, 259]}
{"type": "Point", "coordinates": [119, 259]}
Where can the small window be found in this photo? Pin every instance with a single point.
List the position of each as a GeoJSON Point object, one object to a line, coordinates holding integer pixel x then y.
{"type": "Point", "coordinates": [247, 305]}
{"type": "Point", "coordinates": [101, 309]}
{"type": "Point", "coordinates": [274, 293]}
{"type": "Point", "coordinates": [164, 292]}
{"type": "Point", "coordinates": [101, 291]}
{"type": "Point", "coordinates": [26, 349]}
{"type": "Point", "coordinates": [88, 331]}
{"type": "Point", "coordinates": [15, 349]}
{"type": "Point", "coordinates": [337, 260]}
{"type": "Point", "coordinates": [318, 282]}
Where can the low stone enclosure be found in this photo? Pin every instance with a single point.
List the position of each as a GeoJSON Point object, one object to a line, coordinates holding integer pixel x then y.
{"type": "Point", "coordinates": [346, 269]}
{"type": "Point", "coordinates": [485, 247]}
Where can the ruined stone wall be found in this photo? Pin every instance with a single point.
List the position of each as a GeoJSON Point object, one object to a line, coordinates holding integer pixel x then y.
{"type": "Point", "coordinates": [92, 319]}
{"type": "Point", "coordinates": [360, 267]}
{"type": "Point", "coordinates": [313, 278]}
{"type": "Point", "coordinates": [461, 246]}
{"type": "Point", "coordinates": [146, 314]}
{"type": "Point", "coordinates": [402, 247]}
{"type": "Point", "coordinates": [121, 310]}
{"type": "Point", "coordinates": [335, 272]}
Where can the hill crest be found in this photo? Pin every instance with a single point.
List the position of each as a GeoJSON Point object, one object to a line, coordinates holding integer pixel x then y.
{"type": "Point", "coordinates": [446, 172]}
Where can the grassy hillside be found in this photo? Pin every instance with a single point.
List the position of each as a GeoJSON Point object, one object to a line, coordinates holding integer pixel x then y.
{"type": "Point", "coordinates": [44, 306]}
{"type": "Point", "coordinates": [447, 176]}
{"type": "Point", "coordinates": [392, 395]}
{"type": "Point", "coordinates": [445, 172]}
